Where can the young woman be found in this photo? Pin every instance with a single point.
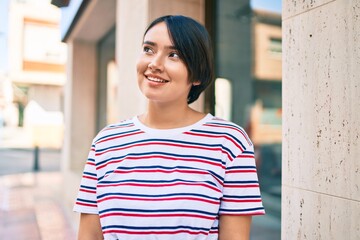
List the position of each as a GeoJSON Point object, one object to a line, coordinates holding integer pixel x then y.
{"type": "Point", "coordinates": [172, 172]}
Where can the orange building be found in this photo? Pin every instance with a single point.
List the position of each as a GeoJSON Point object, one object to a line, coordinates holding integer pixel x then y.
{"type": "Point", "coordinates": [35, 73]}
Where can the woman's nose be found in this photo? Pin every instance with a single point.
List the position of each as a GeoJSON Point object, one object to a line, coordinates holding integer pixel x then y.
{"type": "Point", "coordinates": [156, 64]}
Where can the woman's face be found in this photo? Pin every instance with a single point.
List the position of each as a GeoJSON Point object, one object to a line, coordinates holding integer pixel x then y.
{"type": "Point", "coordinates": [162, 75]}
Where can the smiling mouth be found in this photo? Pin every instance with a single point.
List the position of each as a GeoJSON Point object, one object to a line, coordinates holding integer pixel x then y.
{"type": "Point", "coordinates": [158, 80]}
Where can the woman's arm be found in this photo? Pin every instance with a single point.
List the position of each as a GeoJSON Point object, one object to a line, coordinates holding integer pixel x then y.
{"type": "Point", "coordinates": [90, 228]}
{"type": "Point", "coordinates": [234, 227]}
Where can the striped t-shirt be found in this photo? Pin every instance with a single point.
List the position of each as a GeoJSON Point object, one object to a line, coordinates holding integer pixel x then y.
{"type": "Point", "coordinates": [169, 184]}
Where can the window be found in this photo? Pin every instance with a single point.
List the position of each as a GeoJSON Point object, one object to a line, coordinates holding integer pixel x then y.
{"type": "Point", "coordinates": [275, 48]}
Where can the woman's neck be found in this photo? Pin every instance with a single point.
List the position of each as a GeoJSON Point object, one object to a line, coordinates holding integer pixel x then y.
{"type": "Point", "coordinates": [169, 116]}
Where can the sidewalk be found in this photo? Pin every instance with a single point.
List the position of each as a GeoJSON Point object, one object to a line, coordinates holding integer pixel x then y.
{"type": "Point", "coordinates": [31, 209]}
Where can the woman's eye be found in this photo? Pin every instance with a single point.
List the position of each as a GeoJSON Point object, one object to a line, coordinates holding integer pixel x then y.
{"type": "Point", "coordinates": [147, 50]}
{"type": "Point", "coordinates": [174, 55]}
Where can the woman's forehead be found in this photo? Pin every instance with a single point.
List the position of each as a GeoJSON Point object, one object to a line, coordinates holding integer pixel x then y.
{"type": "Point", "coordinates": [158, 34]}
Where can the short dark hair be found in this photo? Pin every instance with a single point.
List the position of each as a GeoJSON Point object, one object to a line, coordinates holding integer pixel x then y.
{"type": "Point", "coordinates": [193, 44]}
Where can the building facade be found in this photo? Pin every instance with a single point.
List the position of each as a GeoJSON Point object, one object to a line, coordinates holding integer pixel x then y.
{"type": "Point", "coordinates": [34, 73]}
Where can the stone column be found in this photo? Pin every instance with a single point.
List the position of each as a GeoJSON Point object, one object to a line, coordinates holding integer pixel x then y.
{"type": "Point", "coordinates": [80, 119]}
{"type": "Point", "coordinates": [321, 124]}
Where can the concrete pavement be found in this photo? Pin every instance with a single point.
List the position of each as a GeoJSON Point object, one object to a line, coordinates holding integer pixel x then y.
{"type": "Point", "coordinates": [31, 205]}
{"type": "Point", "coordinates": [31, 208]}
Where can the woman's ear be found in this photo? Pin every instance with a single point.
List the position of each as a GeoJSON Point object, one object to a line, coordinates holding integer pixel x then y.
{"type": "Point", "coordinates": [196, 83]}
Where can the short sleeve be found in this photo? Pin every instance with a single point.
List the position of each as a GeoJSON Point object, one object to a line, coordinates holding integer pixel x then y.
{"type": "Point", "coordinates": [86, 199]}
{"type": "Point", "coordinates": [241, 192]}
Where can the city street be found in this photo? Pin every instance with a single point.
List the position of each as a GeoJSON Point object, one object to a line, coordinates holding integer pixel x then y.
{"type": "Point", "coordinates": [14, 161]}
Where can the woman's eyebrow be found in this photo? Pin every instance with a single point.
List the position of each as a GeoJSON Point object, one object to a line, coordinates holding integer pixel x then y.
{"type": "Point", "coordinates": [149, 43]}
{"type": "Point", "coordinates": [154, 44]}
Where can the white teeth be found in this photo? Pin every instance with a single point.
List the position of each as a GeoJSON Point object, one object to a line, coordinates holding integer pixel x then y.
{"type": "Point", "coordinates": [156, 80]}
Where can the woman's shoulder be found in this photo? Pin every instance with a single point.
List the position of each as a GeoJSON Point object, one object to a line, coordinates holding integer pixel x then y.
{"type": "Point", "coordinates": [120, 127]}
{"type": "Point", "coordinates": [222, 126]}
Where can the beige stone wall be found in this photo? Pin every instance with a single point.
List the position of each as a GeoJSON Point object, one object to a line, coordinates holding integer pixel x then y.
{"type": "Point", "coordinates": [321, 123]}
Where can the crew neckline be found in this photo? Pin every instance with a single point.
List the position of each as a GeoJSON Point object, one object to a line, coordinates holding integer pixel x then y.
{"type": "Point", "coordinates": [169, 131]}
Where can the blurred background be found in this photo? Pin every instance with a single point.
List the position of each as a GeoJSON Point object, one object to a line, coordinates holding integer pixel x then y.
{"type": "Point", "coordinates": [67, 69]}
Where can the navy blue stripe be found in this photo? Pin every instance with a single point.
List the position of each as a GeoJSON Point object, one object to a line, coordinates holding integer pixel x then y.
{"type": "Point", "coordinates": [84, 200]}
{"type": "Point", "coordinates": [241, 167]}
{"type": "Point", "coordinates": [221, 133]}
{"type": "Point", "coordinates": [241, 210]}
{"type": "Point", "coordinates": [157, 196]}
{"type": "Point", "coordinates": [119, 125]}
{"type": "Point", "coordinates": [230, 152]}
{"type": "Point", "coordinates": [228, 125]}
{"type": "Point", "coordinates": [241, 182]}
{"type": "Point", "coordinates": [155, 181]}
{"type": "Point", "coordinates": [161, 167]}
{"type": "Point", "coordinates": [247, 152]}
{"type": "Point", "coordinates": [89, 173]}
{"type": "Point", "coordinates": [87, 187]}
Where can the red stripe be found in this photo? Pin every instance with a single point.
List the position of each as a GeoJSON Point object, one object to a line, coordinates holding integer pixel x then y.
{"type": "Point", "coordinates": [154, 232]}
{"type": "Point", "coordinates": [246, 156]}
{"type": "Point", "coordinates": [161, 144]}
{"type": "Point", "coordinates": [160, 171]}
{"type": "Point", "coordinates": [91, 163]}
{"type": "Point", "coordinates": [241, 186]}
{"type": "Point", "coordinates": [92, 178]}
{"type": "Point", "coordinates": [240, 200]}
{"type": "Point", "coordinates": [155, 215]}
{"type": "Point", "coordinates": [160, 199]}
{"type": "Point", "coordinates": [161, 157]}
{"type": "Point", "coordinates": [88, 191]}
{"type": "Point", "coordinates": [86, 204]}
